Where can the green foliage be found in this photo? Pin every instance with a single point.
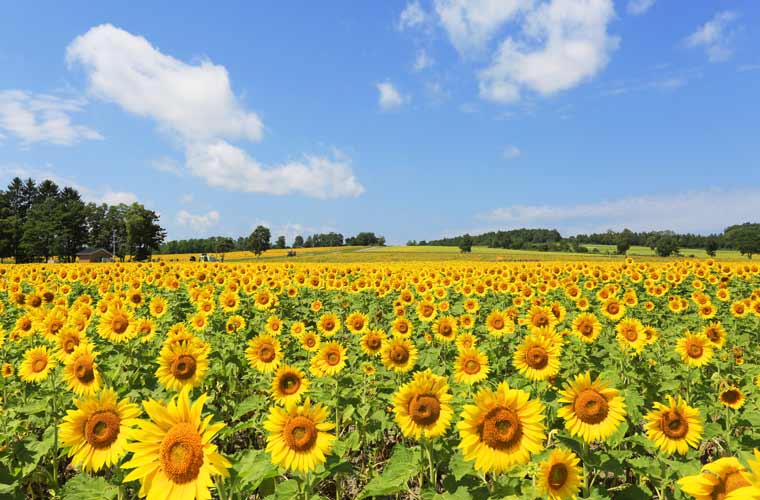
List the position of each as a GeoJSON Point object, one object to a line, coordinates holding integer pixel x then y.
{"type": "Point", "coordinates": [745, 238]}
{"type": "Point", "coordinates": [258, 241]}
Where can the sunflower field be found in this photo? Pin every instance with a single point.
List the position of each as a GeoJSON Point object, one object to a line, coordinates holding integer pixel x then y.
{"type": "Point", "coordinates": [624, 380]}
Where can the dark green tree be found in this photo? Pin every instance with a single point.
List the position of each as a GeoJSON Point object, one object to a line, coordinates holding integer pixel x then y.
{"type": "Point", "coordinates": [666, 246]}
{"type": "Point", "coordinates": [624, 241]}
{"type": "Point", "coordinates": [280, 243]}
{"type": "Point", "coordinates": [258, 241]}
{"type": "Point", "coordinates": [144, 235]}
{"type": "Point", "coordinates": [298, 242]}
{"type": "Point", "coordinates": [465, 246]}
{"type": "Point", "coordinates": [711, 245]}
{"type": "Point", "coordinates": [744, 237]}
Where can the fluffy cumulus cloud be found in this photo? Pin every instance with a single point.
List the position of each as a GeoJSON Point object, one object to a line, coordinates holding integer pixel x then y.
{"type": "Point", "coordinates": [195, 101]}
{"type": "Point", "coordinates": [196, 105]}
{"type": "Point", "coordinates": [715, 36]}
{"type": "Point", "coordinates": [412, 16]}
{"type": "Point", "coordinates": [198, 221]}
{"type": "Point", "coordinates": [562, 43]}
{"type": "Point", "coordinates": [686, 212]}
{"type": "Point", "coordinates": [42, 118]}
{"type": "Point", "coordinates": [638, 7]}
{"type": "Point", "coordinates": [470, 24]}
{"type": "Point", "coordinates": [389, 97]}
{"type": "Point", "coordinates": [223, 165]}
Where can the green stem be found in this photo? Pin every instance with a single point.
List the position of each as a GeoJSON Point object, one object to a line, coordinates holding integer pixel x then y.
{"type": "Point", "coordinates": [55, 431]}
{"type": "Point", "coordinates": [586, 485]}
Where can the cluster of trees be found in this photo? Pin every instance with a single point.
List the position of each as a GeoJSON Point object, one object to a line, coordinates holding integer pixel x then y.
{"type": "Point", "coordinates": [743, 237]}
{"type": "Point", "coordinates": [40, 221]}
{"type": "Point", "coordinates": [262, 242]}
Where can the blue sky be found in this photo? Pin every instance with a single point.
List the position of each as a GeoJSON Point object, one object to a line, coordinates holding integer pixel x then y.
{"type": "Point", "coordinates": [411, 119]}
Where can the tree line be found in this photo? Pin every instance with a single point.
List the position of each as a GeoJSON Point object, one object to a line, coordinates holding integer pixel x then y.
{"type": "Point", "coordinates": [742, 237]}
{"type": "Point", "coordinates": [40, 221]}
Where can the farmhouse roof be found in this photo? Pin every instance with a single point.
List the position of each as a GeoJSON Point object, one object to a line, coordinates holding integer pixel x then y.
{"type": "Point", "coordinates": [90, 251]}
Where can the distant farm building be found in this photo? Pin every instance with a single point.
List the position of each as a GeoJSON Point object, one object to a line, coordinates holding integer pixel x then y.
{"type": "Point", "coordinates": [94, 255]}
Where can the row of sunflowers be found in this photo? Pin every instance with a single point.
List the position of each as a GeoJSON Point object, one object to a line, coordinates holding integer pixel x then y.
{"type": "Point", "coordinates": [438, 381]}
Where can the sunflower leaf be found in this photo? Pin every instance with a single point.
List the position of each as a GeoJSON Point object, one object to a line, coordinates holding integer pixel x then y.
{"type": "Point", "coordinates": [253, 467]}
{"type": "Point", "coordinates": [85, 487]}
{"type": "Point", "coordinates": [401, 467]}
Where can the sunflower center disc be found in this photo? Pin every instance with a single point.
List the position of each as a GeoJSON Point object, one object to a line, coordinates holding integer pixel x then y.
{"type": "Point", "coordinates": [587, 329]}
{"type": "Point", "coordinates": [102, 429]}
{"type": "Point", "coordinates": [674, 425]}
{"type": "Point", "coordinates": [536, 357]}
{"type": "Point", "coordinates": [39, 365]}
{"type": "Point", "coordinates": [358, 324]}
{"type": "Point", "coordinates": [266, 353]}
{"type": "Point", "coordinates": [119, 325]}
{"type": "Point", "coordinates": [558, 476]}
{"type": "Point", "coordinates": [333, 358]}
{"type": "Point", "coordinates": [445, 330]}
{"type": "Point", "coordinates": [731, 396]}
{"type": "Point", "coordinates": [541, 321]}
{"type": "Point", "coordinates": [329, 325]}
{"type": "Point", "coordinates": [732, 481]}
{"type": "Point", "coordinates": [399, 354]}
{"type": "Point", "coordinates": [84, 371]}
{"type": "Point", "coordinates": [471, 367]}
{"type": "Point", "coordinates": [300, 433]}
{"type": "Point", "coordinates": [183, 367]}
{"type": "Point", "coordinates": [70, 345]}
{"type": "Point", "coordinates": [424, 409]}
{"type": "Point", "coordinates": [591, 407]}
{"type": "Point", "coordinates": [374, 342]}
{"type": "Point", "coordinates": [630, 334]}
{"type": "Point", "coordinates": [501, 429]}
{"type": "Point", "coordinates": [403, 328]}
{"type": "Point", "coordinates": [613, 308]}
{"type": "Point", "coordinates": [289, 384]}
{"type": "Point", "coordinates": [497, 323]}
{"type": "Point", "coordinates": [695, 350]}
{"type": "Point", "coordinates": [181, 453]}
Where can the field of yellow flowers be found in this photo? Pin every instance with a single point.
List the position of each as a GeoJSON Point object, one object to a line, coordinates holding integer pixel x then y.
{"type": "Point", "coordinates": [623, 380]}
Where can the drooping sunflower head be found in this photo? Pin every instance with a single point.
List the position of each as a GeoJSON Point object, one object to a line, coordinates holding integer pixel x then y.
{"type": "Point", "coordinates": [264, 353]}
{"type": "Point", "coordinates": [173, 453]}
{"type": "Point", "coordinates": [399, 354]}
{"type": "Point", "coordinates": [372, 342]}
{"type": "Point", "coordinates": [560, 475]}
{"type": "Point", "coordinates": [592, 409]}
{"type": "Point", "coordinates": [695, 349]}
{"type": "Point", "coordinates": [182, 364]}
{"type": "Point", "coordinates": [422, 406]}
{"type": "Point", "coordinates": [675, 426]}
{"type": "Point", "coordinates": [96, 433]}
{"type": "Point", "coordinates": [36, 365]}
{"type": "Point", "coordinates": [502, 429]}
{"type": "Point", "coordinates": [720, 479]}
{"type": "Point", "coordinates": [289, 385]}
{"type": "Point", "coordinates": [81, 371]}
{"type": "Point", "coordinates": [471, 366]}
{"type": "Point", "coordinates": [537, 357]}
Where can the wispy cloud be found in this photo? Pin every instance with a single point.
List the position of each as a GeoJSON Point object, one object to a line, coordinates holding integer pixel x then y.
{"type": "Point", "coordinates": [638, 7]}
{"type": "Point", "coordinates": [692, 211]}
{"type": "Point", "coordinates": [389, 97]}
{"type": "Point", "coordinates": [715, 36]}
{"type": "Point", "coordinates": [201, 222]}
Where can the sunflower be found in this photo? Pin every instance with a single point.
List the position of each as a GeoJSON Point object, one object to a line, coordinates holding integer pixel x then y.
{"type": "Point", "coordinates": [298, 438]}
{"type": "Point", "coordinates": [630, 334]}
{"type": "Point", "coordinates": [172, 454]}
{"type": "Point", "coordinates": [328, 324]}
{"type": "Point", "coordinates": [146, 328]}
{"type": "Point", "coordinates": [466, 341]}
{"type": "Point", "coordinates": [81, 371]}
{"type": "Point", "coordinates": [502, 429]}
{"type": "Point", "coordinates": [402, 326]}
{"type": "Point", "coordinates": [297, 329]}
{"type": "Point", "coordinates": [234, 323]}
{"type": "Point", "coordinates": [289, 385]}
{"type": "Point", "coordinates": [181, 365]}
{"type": "Point", "coordinates": [330, 360]}
{"type": "Point", "coordinates": [422, 407]}
{"type": "Point", "coordinates": [674, 427]}
{"type": "Point", "coordinates": [263, 300]}
{"type": "Point", "coordinates": [537, 358]}
{"type": "Point", "coordinates": [36, 365]}
{"type": "Point", "coordinates": [158, 307]}
{"type": "Point", "coordinates": [310, 341]}
{"type": "Point", "coordinates": [67, 340]}
{"type": "Point", "coordinates": [587, 327]}
{"type": "Point", "coordinates": [229, 301]}
{"type": "Point", "coordinates": [592, 410]}
{"type": "Point", "coordinates": [96, 433]}
{"type": "Point", "coordinates": [695, 349]}
{"type": "Point", "coordinates": [426, 311]}
{"type": "Point", "coordinates": [264, 353]}
{"type": "Point", "coordinates": [399, 354]}
{"type": "Point", "coordinates": [198, 322]}
{"type": "Point", "coordinates": [541, 317]}
{"type": "Point", "coordinates": [273, 326]}
{"type": "Point", "coordinates": [7, 370]}
{"type": "Point", "coordinates": [720, 479]}
{"type": "Point", "coordinates": [715, 333]}
{"type": "Point", "coordinates": [471, 366]}
{"type": "Point", "coordinates": [357, 322]}
{"type": "Point", "coordinates": [732, 397]}
{"type": "Point", "coordinates": [445, 328]}
{"type": "Point", "coordinates": [372, 342]}
{"type": "Point", "coordinates": [613, 309]}
{"type": "Point", "coordinates": [560, 476]}
{"type": "Point", "coordinates": [498, 323]}
{"type": "Point", "coordinates": [117, 325]}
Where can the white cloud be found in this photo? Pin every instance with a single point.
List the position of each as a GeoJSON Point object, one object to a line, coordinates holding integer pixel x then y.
{"type": "Point", "coordinates": [422, 61]}
{"type": "Point", "coordinates": [715, 36]}
{"type": "Point", "coordinates": [224, 165]}
{"type": "Point", "coordinates": [116, 197]}
{"type": "Point", "coordinates": [168, 165]}
{"type": "Point", "coordinates": [196, 105]}
{"type": "Point", "coordinates": [412, 16]}
{"type": "Point", "coordinates": [42, 118]}
{"type": "Point", "coordinates": [638, 7]}
{"type": "Point", "coordinates": [692, 211]}
{"type": "Point", "coordinates": [389, 97]}
{"type": "Point", "coordinates": [511, 152]}
{"type": "Point", "coordinates": [199, 222]}
{"type": "Point", "coordinates": [471, 24]}
{"type": "Point", "coordinates": [563, 43]}
{"type": "Point", "coordinates": [195, 101]}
